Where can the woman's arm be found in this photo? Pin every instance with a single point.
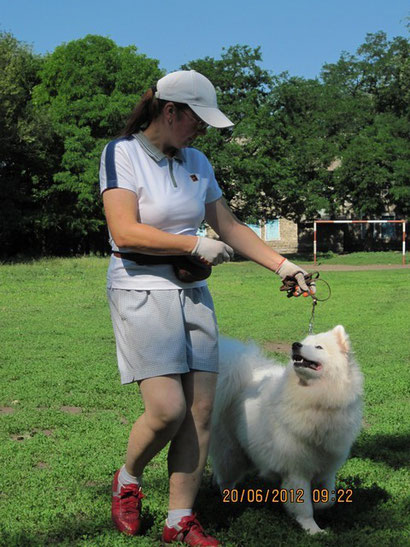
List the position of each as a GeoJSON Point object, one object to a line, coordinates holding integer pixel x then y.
{"type": "Point", "coordinates": [121, 208]}
{"type": "Point", "coordinates": [248, 244]}
{"type": "Point", "coordinates": [239, 236]}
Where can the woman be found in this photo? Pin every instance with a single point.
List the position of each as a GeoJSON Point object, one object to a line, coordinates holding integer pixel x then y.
{"type": "Point", "coordinates": [156, 192]}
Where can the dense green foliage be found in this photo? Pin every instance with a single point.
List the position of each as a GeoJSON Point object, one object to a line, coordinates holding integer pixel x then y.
{"type": "Point", "coordinates": [26, 145]}
{"type": "Point", "coordinates": [333, 144]}
{"type": "Point", "coordinates": [82, 92]}
{"type": "Point", "coordinates": [277, 161]}
{"type": "Point", "coordinates": [65, 418]}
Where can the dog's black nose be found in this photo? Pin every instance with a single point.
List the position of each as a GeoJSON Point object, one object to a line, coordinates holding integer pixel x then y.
{"type": "Point", "coordinates": [296, 345]}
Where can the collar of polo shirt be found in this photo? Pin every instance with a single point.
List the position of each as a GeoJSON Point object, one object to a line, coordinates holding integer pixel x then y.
{"type": "Point", "coordinates": [154, 152]}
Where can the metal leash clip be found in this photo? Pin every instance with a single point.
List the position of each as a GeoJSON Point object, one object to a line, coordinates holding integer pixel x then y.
{"type": "Point", "coordinates": [312, 317]}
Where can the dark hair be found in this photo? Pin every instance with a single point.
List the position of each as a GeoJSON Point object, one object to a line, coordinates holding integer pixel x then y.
{"type": "Point", "coordinates": [147, 110]}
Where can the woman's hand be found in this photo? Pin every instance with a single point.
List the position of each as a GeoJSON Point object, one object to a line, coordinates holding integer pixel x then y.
{"type": "Point", "coordinates": [212, 251]}
{"type": "Point", "coordinates": [288, 269]}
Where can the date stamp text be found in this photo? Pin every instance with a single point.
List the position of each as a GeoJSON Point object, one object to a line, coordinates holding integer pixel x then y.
{"type": "Point", "coordinates": [283, 495]}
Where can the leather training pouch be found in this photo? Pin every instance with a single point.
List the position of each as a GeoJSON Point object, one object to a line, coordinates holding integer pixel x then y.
{"type": "Point", "coordinates": [190, 268]}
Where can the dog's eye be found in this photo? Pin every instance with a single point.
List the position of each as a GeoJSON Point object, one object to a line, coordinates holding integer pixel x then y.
{"type": "Point", "coordinates": [318, 347]}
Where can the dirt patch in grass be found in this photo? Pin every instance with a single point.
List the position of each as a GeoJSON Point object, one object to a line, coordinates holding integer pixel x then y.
{"type": "Point", "coordinates": [71, 409]}
{"type": "Point", "coordinates": [42, 465]}
{"type": "Point", "coordinates": [30, 434]}
{"type": "Point", "coordinates": [277, 347]}
{"type": "Point", "coordinates": [6, 410]}
{"type": "Point", "coordinates": [21, 436]}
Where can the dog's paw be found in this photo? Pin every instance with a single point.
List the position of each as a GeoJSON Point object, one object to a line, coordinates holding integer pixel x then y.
{"type": "Point", "coordinates": [310, 526]}
{"type": "Point", "coordinates": [319, 531]}
{"type": "Point", "coordinates": [316, 530]}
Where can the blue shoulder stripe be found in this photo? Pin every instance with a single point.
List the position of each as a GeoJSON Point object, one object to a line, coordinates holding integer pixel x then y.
{"type": "Point", "coordinates": [110, 170]}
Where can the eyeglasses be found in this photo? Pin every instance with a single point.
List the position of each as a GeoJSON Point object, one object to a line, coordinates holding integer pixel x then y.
{"type": "Point", "coordinates": [200, 124]}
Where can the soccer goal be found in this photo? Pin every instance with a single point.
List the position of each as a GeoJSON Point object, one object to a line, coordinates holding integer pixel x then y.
{"type": "Point", "coordinates": [317, 222]}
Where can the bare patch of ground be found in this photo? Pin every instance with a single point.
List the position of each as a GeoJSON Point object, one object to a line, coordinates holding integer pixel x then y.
{"type": "Point", "coordinates": [277, 347]}
{"type": "Point", "coordinates": [30, 434]}
{"type": "Point", "coordinates": [22, 436]}
{"type": "Point", "coordinates": [42, 465]}
{"type": "Point", "coordinates": [71, 409]}
{"type": "Point", "coordinates": [6, 410]}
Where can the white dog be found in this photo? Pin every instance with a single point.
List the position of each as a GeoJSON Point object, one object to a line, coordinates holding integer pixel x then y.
{"type": "Point", "coordinates": [296, 423]}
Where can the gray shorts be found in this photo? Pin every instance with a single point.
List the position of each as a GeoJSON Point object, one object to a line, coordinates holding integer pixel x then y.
{"type": "Point", "coordinates": [162, 332]}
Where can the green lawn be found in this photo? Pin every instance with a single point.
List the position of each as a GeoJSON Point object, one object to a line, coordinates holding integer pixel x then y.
{"type": "Point", "coordinates": [65, 417]}
{"type": "Point", "coordinates": [357, 259]}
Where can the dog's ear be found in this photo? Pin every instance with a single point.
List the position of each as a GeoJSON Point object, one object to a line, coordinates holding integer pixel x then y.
{"type": "Point", "coordinates": [342, 338]}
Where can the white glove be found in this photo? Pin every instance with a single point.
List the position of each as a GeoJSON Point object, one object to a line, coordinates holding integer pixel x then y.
{"type": "Point", "coordinates": [288, 269]}
{"type": "Point", "coordinates": [212, 251]}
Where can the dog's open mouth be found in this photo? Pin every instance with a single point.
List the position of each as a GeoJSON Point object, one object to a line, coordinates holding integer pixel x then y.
{"type": "Point", "coordinates": [299, 361]}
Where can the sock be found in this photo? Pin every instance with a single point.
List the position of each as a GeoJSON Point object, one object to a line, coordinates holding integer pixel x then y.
{"type": "Point", "coordinates": [125, 478]}
{"type": "Point", "coordinates": [176, 515]}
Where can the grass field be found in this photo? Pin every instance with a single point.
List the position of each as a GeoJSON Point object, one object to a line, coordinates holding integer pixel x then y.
{"type": "Point", "coordinates": [361, 258]}
{"type": "Point", "coordinates": [65, 417]}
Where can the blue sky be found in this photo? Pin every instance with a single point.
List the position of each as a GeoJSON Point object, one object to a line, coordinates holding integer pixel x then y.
{"type": "Point", "coordinates": [295, 35]}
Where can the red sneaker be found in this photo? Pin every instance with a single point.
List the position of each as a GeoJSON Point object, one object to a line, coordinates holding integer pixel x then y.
{"type": "Point", "coordinates": [189, 532]}
{"type": "Point", "coordinates": [126, 506]}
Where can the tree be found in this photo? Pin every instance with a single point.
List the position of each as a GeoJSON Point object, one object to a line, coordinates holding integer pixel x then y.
{"type": "Point", "coordinates": [289, 131]}
{"type": "Point", "coordinates": [381, 70]}
{"type": "Point", "coordinates": [373, 177]}
{"type": "Point", "coordinates": [59, 111]}
{"type": "Point", "coordinates": [24, 140]}
{"type": "Point", "coordinates": [88, 88]}
{"type": "Point", "coordinates": [243, 89]}
{"type": "Point", "coordinates": [274, 161]}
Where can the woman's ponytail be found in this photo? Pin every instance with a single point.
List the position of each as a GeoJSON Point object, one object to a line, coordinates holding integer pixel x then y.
{"type": "Point", "coordinates": [144, 112]}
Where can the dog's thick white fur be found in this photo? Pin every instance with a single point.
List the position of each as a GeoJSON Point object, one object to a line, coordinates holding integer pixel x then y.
{"type": "Point", "coordinates": [295, 423]}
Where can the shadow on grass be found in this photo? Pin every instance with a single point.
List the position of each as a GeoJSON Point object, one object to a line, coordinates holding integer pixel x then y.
{"type": "Point", "coordinates": [67, 531]}
{"type": "Point", "coordinates": [392, 450]}
{"type": "Point", "coordinates": [339, 518]}
{"type": "Point", "coordinates": [221, 510]}
{"type": "Point", "coordinates": [82, 527]}
{"type": "Point", "coordinates": [364, 501]}
{"type": "Point", "coordinates": [371, 508]}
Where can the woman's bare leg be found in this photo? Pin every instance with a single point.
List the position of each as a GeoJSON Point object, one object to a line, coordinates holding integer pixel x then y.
{"type": "Point", "coordinates": [189, 447]}
{"type": "Point", "coordinates": [165, 408]}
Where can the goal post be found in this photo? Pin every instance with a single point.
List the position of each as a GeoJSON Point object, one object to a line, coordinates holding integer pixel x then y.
{"type": "Point", "coordinates": [316, 222]}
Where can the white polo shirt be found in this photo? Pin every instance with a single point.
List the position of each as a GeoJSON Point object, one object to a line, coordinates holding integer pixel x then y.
{"type": "Point", "coordinates": [171, 196]}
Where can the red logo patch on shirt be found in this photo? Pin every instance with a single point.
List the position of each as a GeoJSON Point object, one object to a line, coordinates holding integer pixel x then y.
{"type": "Point", "coordinates": [194, 178]}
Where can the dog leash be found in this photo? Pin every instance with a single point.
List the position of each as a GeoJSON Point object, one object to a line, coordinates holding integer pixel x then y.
{"type": "Point", "coordinates": [290, 285]}
{"type": "Point", "coordinates": [312, 317]}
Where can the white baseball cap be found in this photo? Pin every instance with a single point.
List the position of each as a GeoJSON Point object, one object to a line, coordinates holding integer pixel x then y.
{"type": "Point", "coordinates": [191, 88]}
